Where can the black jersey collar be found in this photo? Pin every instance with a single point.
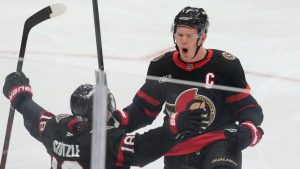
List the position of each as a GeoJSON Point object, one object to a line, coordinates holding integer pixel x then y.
{"type": "Point", "coordinates": [191, 66]}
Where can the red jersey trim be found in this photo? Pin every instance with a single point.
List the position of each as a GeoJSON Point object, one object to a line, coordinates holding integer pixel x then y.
{"type": "Point", "coordinates": [120, 155]}
{"type": "Point", "coordinates": [239, 96]}
{"type": "Point", "coordinates": [247, 106]}
{"type": "Point", "coordinates": [191, 66]}
{"type": "Point", "coordinates": [124, 117]}
{"type": "Point", "coordinates": [148, 98]}
{"type": "Point", "coordinates": [196, 143]}
{"type": "Point", "coordinates": [151, 113]}
{"type": "Point", "coordinates": [46, 115]}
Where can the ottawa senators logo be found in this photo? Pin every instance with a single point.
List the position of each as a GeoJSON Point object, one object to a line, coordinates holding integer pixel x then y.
{"type": "Point", "coordinates": [190, 100]}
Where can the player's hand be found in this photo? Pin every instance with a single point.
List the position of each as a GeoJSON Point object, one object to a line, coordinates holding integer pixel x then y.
{"type": "Point", "coordinates": [118, 118]}
{"type": "Point", "coordinates": [111, 108]}
{"type": "Point", "coordinates": [16, 88]}
{"type": "Point", "coordinates": [111, 102]}
{"type": "Point", "coordinates": [243, 135]}
{"type": "Point", "coordinates": [191, 121]}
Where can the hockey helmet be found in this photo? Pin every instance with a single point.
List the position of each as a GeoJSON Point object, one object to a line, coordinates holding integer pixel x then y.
{"type": "Point", "coordinates": [192, 17]}
{"type": "Point", "coordinates": [81, 101]}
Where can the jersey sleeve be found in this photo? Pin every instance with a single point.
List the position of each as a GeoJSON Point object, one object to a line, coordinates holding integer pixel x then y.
{"type": "Point", "coordinates": [147, 102]}
{"type": "Point", "coordinates": [243, 104]}
{"type": "Point", "coordinates": [141, 149]}
{"type": "Point", "coordinates": [35, 117]}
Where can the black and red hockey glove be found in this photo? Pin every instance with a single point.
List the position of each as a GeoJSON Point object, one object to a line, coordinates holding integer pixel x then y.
{"type": "Point", "coordinates": [118, 118]}
{"type": "Point", "coordinates": [189, 122]}
{"type": "Point", "coordinates": [16, 88]}
{"type": "Point", "coordinates": [243, 135]}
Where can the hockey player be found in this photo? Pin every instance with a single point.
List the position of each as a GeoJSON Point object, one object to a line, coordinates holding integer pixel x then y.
{"type": "Point", "coordinates": [67, 138]}
{"type": "Point", "coordinates": [193, 77]}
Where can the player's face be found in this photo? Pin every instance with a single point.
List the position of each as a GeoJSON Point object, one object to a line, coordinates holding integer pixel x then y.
{"type": "Point", "coordinates": [186, 40]}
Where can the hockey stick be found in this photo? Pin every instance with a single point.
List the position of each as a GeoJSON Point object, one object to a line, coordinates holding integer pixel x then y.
{"type": "Point", "coordinates": [98, 35]}
{"type": "Point", "coordinates": [42, 15]}
{"type": "Point", "coordinates": [99, 125]}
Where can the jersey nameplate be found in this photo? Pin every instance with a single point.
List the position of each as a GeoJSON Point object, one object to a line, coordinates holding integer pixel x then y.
{"type": "Point", "coordinates": [65, 150]}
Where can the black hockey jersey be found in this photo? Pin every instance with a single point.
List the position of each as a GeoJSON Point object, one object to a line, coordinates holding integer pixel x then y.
{"type": "Point", "coordinates": [72, 150]}
{"type": "Point", "coordinates": [216, 83]}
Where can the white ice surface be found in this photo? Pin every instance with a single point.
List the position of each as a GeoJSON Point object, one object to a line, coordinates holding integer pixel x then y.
{"type": "Point", "coordinates": [61, 54]}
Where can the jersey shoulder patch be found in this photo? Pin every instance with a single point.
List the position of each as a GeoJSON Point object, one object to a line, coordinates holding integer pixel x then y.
{"type": "Point", "coordinates": [59, 117]}
{"type": "Point", "coordinates": [162, 55]}
{"type": "Point", "coordinates": [157, 58]}
{"type": "Point", "coordinates": [228, 56]}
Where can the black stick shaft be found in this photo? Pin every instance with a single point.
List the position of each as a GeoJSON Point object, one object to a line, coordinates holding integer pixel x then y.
{"type": "Point", "coordinates": [7, 137]}
{"type": "Point", "coordinates": [35, 19]}
{"type": "Point", "coordinates": [12, 110]}
{"type": "Point", "coordinates": [22, 49]}
{"type": "Point", "coordinates": [98, 35]}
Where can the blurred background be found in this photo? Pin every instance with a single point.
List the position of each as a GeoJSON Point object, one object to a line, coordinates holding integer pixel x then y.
{"type": "Point", "coordinates": [61, 55]}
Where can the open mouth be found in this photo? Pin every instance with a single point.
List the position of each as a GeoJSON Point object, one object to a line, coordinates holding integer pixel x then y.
{"type": "Point", "coordinates": [184, 50]}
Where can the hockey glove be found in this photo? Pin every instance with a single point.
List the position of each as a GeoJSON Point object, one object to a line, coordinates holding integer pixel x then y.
{"type": "Point", "coordinates": [111, 102]}
{"type": "Point", "coordinates": [111, 107]}
{"type": "Point", "coordinates": [187, 123]}
{"type": "Point", "coordinates": [243, 135]}
{"type": "Point", "coordinates": [118, 118]}
{"type": "Point", "coordinates": [16, 88]}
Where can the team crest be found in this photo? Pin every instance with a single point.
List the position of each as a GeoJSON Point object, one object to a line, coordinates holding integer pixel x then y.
{"type": "Point", "coordinates": [228, 56]}
{"type": "Point", "coordinates": [190, 100]}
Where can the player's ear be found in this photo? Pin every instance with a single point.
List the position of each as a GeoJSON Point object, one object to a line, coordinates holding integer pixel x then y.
{"type": "Point", "coordinates": [203, 37]}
